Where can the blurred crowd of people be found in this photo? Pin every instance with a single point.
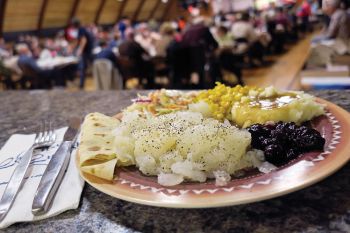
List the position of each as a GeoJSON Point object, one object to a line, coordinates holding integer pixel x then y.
{"type": "Point", "coordinates": [191, 53]}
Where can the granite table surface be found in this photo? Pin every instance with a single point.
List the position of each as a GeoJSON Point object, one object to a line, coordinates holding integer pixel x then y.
{"type": "Point", "coordinates": [323, 207]}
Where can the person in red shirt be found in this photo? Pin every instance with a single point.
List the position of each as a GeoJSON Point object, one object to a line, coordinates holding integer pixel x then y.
{"type": "Point", "coordinates": [304, 14]}
{"type": "Point", "coordinates": [181, 23]}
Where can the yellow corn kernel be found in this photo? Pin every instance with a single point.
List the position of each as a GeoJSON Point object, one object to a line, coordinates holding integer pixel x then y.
{"type": "Point", "coordinates": [220, 116]}
{"type": "Point", "coordinates": [245, 99]}
{"type": "Point", "coordinates": [238, 96]}
{"type": "Point", "coordinates": [221, 109]}
{"type": "Point", "coordinates": [226, 97]}
{"type": "Point", "coordinates": [225, 104]}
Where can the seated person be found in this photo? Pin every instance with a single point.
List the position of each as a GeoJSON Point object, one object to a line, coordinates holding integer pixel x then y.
{"type": "Point", "coordinates": [130, 48]}
{"type": "Point", "coordinates": [339, 22]}
{"type": "Point", "coordinates": [167, 36]}
{"type": "Point", "coordinates": [200, 43]}
{"type": "Point", "coordinates": [3, 49]}
{"type": "Point", "coordinates": [244, 30]}
{"type": "Point", "coordinates": [198, 34]}
{"type": "Point", "coordinates": [144, 38]}
{"type": "Point", "coordinates": [139, 64]}
{"type": "Point", "coordinates": [12, 73]}
{"type": "Point", "coordinates": [282, 21]}
{"type": "Point", "coordinates": [107, 53]}
{"type": "Point", "coordinates": [336, 37]}
{"type": "Point", "coordinates": [44, 52]}
{"type": "Point", "coordinates": [224, 38]}
{"type": "Point", "coordinates": [2, 43]}
{"type": "Point", "coordinates": [226, 58]}
{"type": "Point", "coordinates": [116, 40]}
{"type": "Point", "coordinates": [39, 78]}
{"type": "Point", "coordinates": [244, 33]}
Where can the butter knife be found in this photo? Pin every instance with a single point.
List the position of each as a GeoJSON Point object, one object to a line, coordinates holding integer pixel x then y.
{"type": "Point", "coordinates": [55, 170]}
{"type": "Point", "coordinates": [15, 183]}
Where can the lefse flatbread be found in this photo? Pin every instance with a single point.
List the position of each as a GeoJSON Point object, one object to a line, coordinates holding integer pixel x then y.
{"type": "Point", "coordinates": [97, 147]}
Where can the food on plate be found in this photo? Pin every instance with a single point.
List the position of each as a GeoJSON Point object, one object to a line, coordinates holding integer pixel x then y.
{"type": "Point", "coordinates": [243, 106]}
{"type": "Point", "coordinates": [97, 148]}
{"type": "Point", "coordinates": [162, 102]}
{"type": "Point", "coordinates": [246, 106]}
{"type": "Point", "coordinates": [192, 136]}
{"type": "Point", "coordinates": [282, 142]}
{"type": "Point", "coordinates": [177, 146]}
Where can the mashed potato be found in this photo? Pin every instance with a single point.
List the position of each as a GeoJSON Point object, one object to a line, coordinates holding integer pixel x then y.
{"type": "Point", "coordinates": [181, 146]}
{"type": "Point", "coordinates": [291, 107]}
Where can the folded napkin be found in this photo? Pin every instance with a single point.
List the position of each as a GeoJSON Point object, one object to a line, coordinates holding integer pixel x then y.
{"type": "Point", "coordinates": [10, 155]}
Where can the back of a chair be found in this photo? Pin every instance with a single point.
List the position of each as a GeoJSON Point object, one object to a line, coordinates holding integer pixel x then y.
{"type": "Point", "coordinates": [106, 77]}
{"type": "Point", "coordinates": [28, 73]}
{"type": "Point", "coordinates": [179, 61]}
{"type": "Point", "coordinates": [4, 71]}
{"type": "Point", "coordinates": [127, 67]}
{"type": "Point", "coordinates": [5, 75]}
{"type": "Point", "coordinates": [28, 70]}
{"type": "Point", "coordinates": [241, 40]}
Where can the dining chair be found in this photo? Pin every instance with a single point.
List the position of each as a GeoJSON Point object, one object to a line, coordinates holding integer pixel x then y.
{"type": "Point", "coordinates": [106, 76]}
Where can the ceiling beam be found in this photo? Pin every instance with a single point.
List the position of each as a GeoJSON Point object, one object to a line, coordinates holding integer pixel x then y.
{"type": "Point", "coordinates": [73, 10]}
{"type": "Point", "coordinates": [2, 15]}
{"type": "Point", "coordinates": [121, 10]}
{"type": "Point", "coordinates": [138, 10]}
{"type": "Point", "coordinates": [167, 9]}
{"type": "Point", "coordinates": [154, 10]}
{"type": "Point", "coordinates": [99, 10]}
{"type": "Point", "coordinates": [41, 15]}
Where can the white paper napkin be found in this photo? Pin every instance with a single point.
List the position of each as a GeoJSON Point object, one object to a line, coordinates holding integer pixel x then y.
{"type": "Point", "coordinates": [68, 194]}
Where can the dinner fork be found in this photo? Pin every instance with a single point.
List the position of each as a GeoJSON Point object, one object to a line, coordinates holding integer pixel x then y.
{"type": "Point", "coordinates": [45, 138]}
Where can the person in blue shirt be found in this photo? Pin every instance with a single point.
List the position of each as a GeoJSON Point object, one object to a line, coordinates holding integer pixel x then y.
{"type": "Point", "coordinates": [116, 41]}
{"type": "Point", "coordinates": [83, 50]}
{"type": "Point", "coordinates": [123, 25]}
{"type": "Point", "coordinates": [107, 53]}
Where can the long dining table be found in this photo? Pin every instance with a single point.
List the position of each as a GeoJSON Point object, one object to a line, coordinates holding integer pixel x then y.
{"type": "Point", "coordinates": [322, 207]}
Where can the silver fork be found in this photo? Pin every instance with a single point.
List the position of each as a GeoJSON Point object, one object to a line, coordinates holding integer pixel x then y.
{"type": "Point", "coordinates": [45, 138]}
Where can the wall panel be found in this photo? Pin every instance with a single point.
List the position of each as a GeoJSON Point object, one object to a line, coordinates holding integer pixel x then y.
{"type": "Point", "coordinates": [21, 15]}
{"type": "Point", "coordinates": [110, 12]}
{"type": "Point", "coordinates": [87, 10]}
{"type": "Point", "coordinates": [174, 11]}
{"type": "Point", "coordinates": [146, 10]}
{"type": "Point", "coordinates": [57, 13]}
{"type": "Point", "coordinates": [160, 10]}
{"type": "Point", "coordinates": [131, 7]}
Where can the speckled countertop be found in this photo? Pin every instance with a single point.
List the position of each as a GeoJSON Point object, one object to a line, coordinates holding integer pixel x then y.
{"type": "Point", "coordinates": [323, 207]}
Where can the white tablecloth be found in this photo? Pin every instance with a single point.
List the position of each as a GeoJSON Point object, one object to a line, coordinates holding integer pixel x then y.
{"type": "Point", "coordinates": [56, 62]}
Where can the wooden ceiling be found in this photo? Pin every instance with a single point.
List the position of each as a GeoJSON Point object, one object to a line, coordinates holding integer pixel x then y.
{"type": "Point", "coordinates": [36, 15]}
